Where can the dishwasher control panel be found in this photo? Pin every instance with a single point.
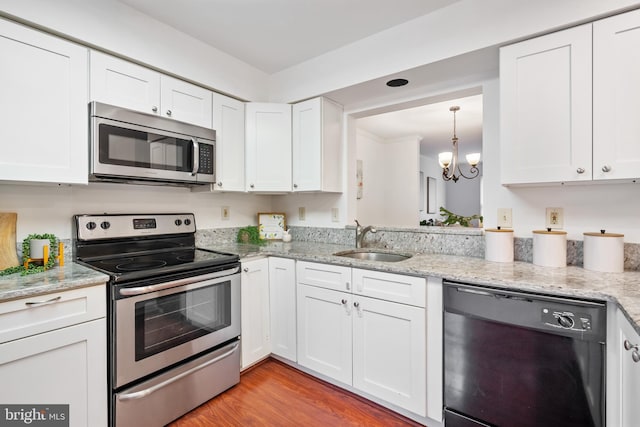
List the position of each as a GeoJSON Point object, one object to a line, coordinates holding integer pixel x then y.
{"type": "Point", "coordinates": [566, 319]}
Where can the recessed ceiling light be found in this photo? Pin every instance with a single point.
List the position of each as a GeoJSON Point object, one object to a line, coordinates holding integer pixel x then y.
{"type": "Point", "coordinates": [397, 82]}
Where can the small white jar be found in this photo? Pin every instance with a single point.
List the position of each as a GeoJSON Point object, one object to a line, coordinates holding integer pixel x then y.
{"type": "Point", "coordinates": [550, 248]}
{"type": "Point", "coordinates": [604, 252]}
{"type": "Point", "coordinates": [498, 245]}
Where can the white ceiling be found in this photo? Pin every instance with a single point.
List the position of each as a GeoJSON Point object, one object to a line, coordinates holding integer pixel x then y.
{"type": "Point", "coordinates": [272, 35]}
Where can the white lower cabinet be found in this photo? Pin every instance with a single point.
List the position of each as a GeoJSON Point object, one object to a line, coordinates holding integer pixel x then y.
{"type": "Point", "coordinates": [374, 345]}
{"type": "Point", "coordinates": [61, 356]}
{"type": "Point", "coordinates": [282, 306]}
{"type": "Point", "coordinates": [623, 373]}
{"type": "Point", "coordinates": [254, 312]}
{"type": "Point", "coordinates": [325, 332]}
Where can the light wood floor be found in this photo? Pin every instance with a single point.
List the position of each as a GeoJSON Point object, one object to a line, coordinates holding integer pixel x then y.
{"type": "Point", "coordinates": [275, 394]}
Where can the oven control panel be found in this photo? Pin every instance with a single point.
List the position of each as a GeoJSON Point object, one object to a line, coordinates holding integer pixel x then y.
{"type": "Point", "coordinates": [92, 227]}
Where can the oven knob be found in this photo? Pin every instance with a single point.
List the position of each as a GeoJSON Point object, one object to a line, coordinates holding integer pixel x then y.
{"type": "Point", "coordinates": [91, 225]}
{"type": "Point", "coordinates": [565, 321]}
{"type": "Point", "coordinates": [187, 221]}
{"type": "Point", "coordinates": [178, 222]}
{"type": "Point", "coordinates": [105, 225]}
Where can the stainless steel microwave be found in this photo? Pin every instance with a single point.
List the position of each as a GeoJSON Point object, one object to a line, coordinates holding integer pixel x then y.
{"type": "Point", "coordinates": [129, 146]}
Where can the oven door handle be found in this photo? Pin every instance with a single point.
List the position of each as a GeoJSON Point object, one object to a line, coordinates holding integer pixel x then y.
{"type": "Point", "coordinates": [127, 292]}
{"type": "Point", "coordinates": [147, 391]}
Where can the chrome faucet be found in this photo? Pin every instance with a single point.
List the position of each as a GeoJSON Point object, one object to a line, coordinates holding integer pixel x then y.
{"type": "Point", "coordinates": [361, 231]}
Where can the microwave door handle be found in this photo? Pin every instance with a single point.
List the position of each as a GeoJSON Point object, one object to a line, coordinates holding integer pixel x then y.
{"type": "Point", "coordinates": [196, 156]}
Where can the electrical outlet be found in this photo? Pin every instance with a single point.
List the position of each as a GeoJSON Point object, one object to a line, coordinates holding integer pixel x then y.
{"type": "Point", "coordinates": [335, 215]}
{"type": "Point", "coordinates": [302, 213]}
{"type": "Point", "coordinates": [225, 212]}
{"type": "Point", "coordinates": [505, 218]}
{"type": "Point", "coordinates": [555, 218]}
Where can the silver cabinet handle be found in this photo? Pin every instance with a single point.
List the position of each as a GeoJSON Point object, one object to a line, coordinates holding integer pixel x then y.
{"type": "Point", "coordinates": [246, 269]}
{"type": "Point", "coordinates": [160, 286]}
{"type": "Point", "coordinates": [146, 392]}
{"type": "Point", "coordinates": [154, 109]}
{"type": "Point", "coordinates": [295, 185]}
{"type": "Point", "coordinates": [635, 355]}
{"type": "Point", "coordinates": [196, 156]}
{"type": "Point", "coordinates": [348, 286]}
{"type": "Point", "coordinates": [169, 113]}
{"type": "Point", "coordinates": [344, 301]}
{"type": "Point", "coordinates": [49, 301]}
{"type": "Point", "coordinates": [220, 184]}
{"type": "Point", "coordinates": [580, 170]}
{"type": "Point", "coordinates": [606, 168]}
{"type": "Point", "coordinates": [356, 304]}
{"type": "Point", "coordinates": [251, 185]}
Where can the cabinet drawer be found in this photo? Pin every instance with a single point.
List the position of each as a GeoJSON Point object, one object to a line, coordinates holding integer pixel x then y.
{"type": "Point", "coordinates": [390, 287]}
{"type": "Point", "coordinates": [325, 276]}
{"type": "Point", "coordinates": [34, 315]}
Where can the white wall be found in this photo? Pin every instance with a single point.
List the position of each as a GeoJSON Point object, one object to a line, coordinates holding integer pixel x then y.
{"type": "Point", "coordinates": [463, 197]}
{"type": "Point", "coordinates": [371, 208]}
{"type": "Point", "coordinates": [463, 27]}
{"type": "Point", "coordinates": [49, 208]}
{"type": "Point", "coordinates": [116, 27]}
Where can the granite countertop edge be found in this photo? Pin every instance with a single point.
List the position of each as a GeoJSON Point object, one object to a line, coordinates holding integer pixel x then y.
{"type": "Point", "coordinates": [58, 279]}
{"type": "Point", "coordinates": [622, 289]}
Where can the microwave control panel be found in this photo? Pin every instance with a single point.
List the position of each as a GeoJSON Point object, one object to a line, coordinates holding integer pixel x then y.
{"type": "Point", "coordinates": [206, 159]}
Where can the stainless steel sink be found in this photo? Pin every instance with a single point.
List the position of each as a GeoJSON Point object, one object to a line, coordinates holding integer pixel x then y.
{"type": "Point", "coordinates": [374, 255]}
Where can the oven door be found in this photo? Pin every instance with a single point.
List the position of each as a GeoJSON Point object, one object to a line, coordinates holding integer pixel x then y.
{"type": "Point", "coordinates": [125, 150]}
{"type": "Point", "coordinates": [162, 324]}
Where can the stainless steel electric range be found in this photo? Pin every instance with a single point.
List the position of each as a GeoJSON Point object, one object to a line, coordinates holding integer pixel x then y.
{"type": "Point", "coordinates": [173, 314]}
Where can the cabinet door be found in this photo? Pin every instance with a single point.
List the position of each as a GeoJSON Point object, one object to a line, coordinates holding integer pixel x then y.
{"type": "Point", "coordinates": [268, 147]}
{"type": "Point", "coordinates": [282, 300]}
{"type": "Point", "coordinates": [389, 352]}
{"type": "Point", "coordinates": [185, 102]}
{"type": "Point", "coordinates": [317, 145]}
{"type": "Point", "coordinates": [616, 97]}
{"type": "Point", "coordinates": [43, 107]}
{"type": "Point", "coordinates": [228, 121]}
{"type": "Point", "coordinates": [118, 82]}
{"type": "Point", "coordinates": [324, 332]}
{"type": "Point", "coordinates": [66, 366]}
{"type": "Point", "coordinates": [545, 108]}
{"type": "Point", "coordinates": [327, 276]}
{"type": "Point", "coordinates": [629, 377]}
{"type": "Point", "coordinates": [254, 313]}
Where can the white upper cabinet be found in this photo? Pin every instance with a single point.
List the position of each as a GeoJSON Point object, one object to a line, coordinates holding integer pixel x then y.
{"type": "Point", "coordinates": [268, 147]}
{"type": "Point", "coordinates": [616, 97]}
{"type": "Point", "coordinates": [228, 121]}
{"type": "Point", "coordinates": [43, 107]}
{"type": "Point", "coordinates": [317, 146]}
{"type": "Point", "coordinates": [545, 108]}
{"type": "Point", "coordinates": [570, 102]}
{"type": "Point", "coordinates": [122, 83]}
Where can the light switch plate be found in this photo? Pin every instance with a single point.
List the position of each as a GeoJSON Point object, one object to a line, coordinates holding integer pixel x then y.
{"type": "Point", "coordinates": [554, 218]}
{"type": "Point", "coordinates": [302, 213]}
{"type": "Point", "coordinates": [225, 213]}
{"type": "Point", "coordinates": [335, 215]}
{"type": "Point", "coordinates": [505, 218]}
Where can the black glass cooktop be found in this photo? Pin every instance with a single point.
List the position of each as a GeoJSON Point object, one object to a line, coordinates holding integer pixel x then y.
{"type": "Point", "coordinates": [155, 263]}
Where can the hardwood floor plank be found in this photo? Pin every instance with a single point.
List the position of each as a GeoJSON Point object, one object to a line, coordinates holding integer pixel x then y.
{"type": "Point", "coordinates": [275, 394]}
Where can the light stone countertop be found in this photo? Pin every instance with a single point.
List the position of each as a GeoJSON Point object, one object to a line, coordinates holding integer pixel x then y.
{"type": "Point", "coordinates": [620, 288]}
{"type": "Point", "coordinates": [57, 279]}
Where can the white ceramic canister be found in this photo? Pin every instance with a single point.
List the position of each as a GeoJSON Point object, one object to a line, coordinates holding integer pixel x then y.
{"type": "Point", "coordinates": [498, 245]}
{"type": "Point", "coordinates": [550, 248]}
{"type": "Point", "coordinates": [36, 248]}
{"type": "Point", "coordinates": [604, 252]}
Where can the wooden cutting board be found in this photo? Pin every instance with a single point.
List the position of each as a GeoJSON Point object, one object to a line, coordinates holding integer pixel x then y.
{"type": "Point", "coordinates": [8, 253]}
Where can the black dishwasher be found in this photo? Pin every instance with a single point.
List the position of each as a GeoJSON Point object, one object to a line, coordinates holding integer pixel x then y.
{"type": "Point", "coordinates": [514, 359]}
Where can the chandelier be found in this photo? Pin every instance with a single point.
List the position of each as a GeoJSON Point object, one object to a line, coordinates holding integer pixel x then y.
{"type": "Point", "coordinates": [449, 159]}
